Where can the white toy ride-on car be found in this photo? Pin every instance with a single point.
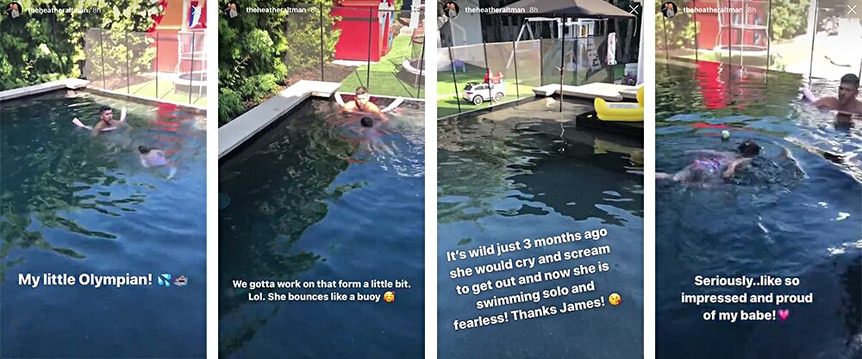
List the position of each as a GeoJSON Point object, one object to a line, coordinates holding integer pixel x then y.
{"type": "Point", "coordinates": [479, 92]}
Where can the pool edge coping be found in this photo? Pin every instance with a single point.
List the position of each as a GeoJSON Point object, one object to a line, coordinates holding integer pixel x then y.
{"type": "Point", "coordinates": [51, 86]}
{"type": "Point", "coordinates": [236, 132]}
{"type": "Point", "coordinates": [84, 85]}
{"type": "Point", "coordinates": [144, 99]}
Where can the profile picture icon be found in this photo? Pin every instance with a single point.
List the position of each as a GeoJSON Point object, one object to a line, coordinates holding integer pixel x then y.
{"type": "Point", "coordinates": [451, 9]}
{"type": "Point", "coordinates": [668, 9]}
{"type": "Point", "coordinates": [13, 10]}
{"type": "Point", "coordinates": [231, 10]}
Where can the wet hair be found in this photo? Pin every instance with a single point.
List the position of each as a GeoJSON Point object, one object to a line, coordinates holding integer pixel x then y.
{"type": "Point", "coordinates": [104, 108]}
{"type": "Point", "coordinates": [850, 79]}
{"type": "Point", "coordinates": [361, 90]}
{"type": "Point", "coordinates": [367, 122]}
{"type": "Point", "coordinates": [749, 148]}
{"type": "Point", "coordinates": [144, 149]}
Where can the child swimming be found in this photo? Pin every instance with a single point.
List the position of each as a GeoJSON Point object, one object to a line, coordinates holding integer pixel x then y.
{"type": "Point", "coordinates": [373, 136]}
{"type": "Point", "coordinates": [714, 165]}
{"type": "Point", "coordinates": [152, 157]}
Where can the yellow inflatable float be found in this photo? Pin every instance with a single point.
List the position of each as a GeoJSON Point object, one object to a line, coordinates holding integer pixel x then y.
{"type": "Point", "coordinates": [621, 111]}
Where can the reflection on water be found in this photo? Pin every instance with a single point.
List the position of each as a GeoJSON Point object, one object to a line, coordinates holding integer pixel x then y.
{"type": "Point", "coordinates": [768, 102]}
{"type": "Point", "coordinates": [786, 218]}
{"type": "Point", "coordinates": [53, 173]}
{"type": "Point", "coordinates": [297, 177]}
{"type": "Point", "coordinates": [486, 162]}
{"type": "Point", "coordinates": [514, 178]}
{"type": "Point", "coordinates": [72, 204]}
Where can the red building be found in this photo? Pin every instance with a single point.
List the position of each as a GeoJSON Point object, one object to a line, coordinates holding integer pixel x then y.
{"type": "Point", "coordinates": [365, 29]}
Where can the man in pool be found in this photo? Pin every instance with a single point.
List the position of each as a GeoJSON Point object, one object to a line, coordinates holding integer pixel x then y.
{"type": "Point", "coordinates": [152, 157]}
{"type": "Point", "coordinates": [362, 104]}
{"type": "Point", "coordinates": [106, 121]}
{"type": "Point", "coordinates": [846, 103]}
{"type": "Point", "coordinates": [708, 168]}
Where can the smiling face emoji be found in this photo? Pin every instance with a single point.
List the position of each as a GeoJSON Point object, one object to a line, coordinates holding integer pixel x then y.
{"type": "Point", "coordinates": [389, 297]}
{"type": "Point", "coordinates": [614, 299]}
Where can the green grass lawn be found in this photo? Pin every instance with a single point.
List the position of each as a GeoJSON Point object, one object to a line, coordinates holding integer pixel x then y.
{"type": "Point", "coordinates": [447, 102]}
{"type": "Point", "coordinates": [382, 79]}
{"type": "Point", "coordinates": [165, 91]}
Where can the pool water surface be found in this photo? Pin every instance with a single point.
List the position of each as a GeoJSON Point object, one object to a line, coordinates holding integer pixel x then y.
{"type": "Point", "coordinates": [795, 216]}
{"type": "Point", "coordinates": [73, 205]}
{"type": "Point", "coordinates": [303, 201]}
{"type": "Point", "coordinates": [519, 177]}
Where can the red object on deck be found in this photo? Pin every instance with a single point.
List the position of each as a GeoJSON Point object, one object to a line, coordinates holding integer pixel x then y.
{"type": "Point", "coordinates": [175, 16]}
{"type": "Point", "coordinates": [361, 20]}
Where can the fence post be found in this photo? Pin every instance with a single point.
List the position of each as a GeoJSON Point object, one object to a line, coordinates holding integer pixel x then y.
{"type": "Point", "coordinates": [488, 68]}
{"type": "Point", "coordinates": [562, 64]}
{"type": "Point", "coordinates": [811, 52]}
{"type": "Point", "coordinates": [191, 72]}
{"type": "Point", "coordinates": [157, 64]}
{"type": "Point", "coordinates": [102, 53]}
{"type": "Point", "coordinates": [452, 65]}
{"type": "Point", "coordinates": [515, 57]}
{"type": "Point", "coordinates": [421, 68]}
{"type": "Point", "coordinates": [368, 59]}
{"type": "Point", "coordinates": [322, 76]}
{"type": "Point", "coordinates": [128, 79]}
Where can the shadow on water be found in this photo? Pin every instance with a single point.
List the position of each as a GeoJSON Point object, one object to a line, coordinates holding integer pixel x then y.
{"type": "Point", "coordinates": [484, 162]}
{"type": "Point", "coordinates": [263, 216]}
{"type": "Point", "coordinates": [796, 217]}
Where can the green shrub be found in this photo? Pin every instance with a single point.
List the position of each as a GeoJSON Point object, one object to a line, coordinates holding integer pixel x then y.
{"type": "Point", "coordinates": [257, 52]}
{"type": "Point", "coordinates": [230, 105]}
{"type": "Point", "coordinates": [44, 47]}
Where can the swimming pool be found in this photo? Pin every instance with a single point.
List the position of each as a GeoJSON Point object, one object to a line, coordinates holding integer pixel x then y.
{"type": "Point", "coordinates": [298, 203]}
{"type": "Point", "coordinates": [785, 218]}
{"type": "Point", "coordinates": [75, 205]}
{"type": "Point", "coordinates": [517, 176]}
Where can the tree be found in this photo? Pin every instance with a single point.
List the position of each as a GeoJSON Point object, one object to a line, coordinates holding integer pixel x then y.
{"type": "Point", "coordinates": [39, 47]}
{"type": "Point", "coordinates": [257, 52]}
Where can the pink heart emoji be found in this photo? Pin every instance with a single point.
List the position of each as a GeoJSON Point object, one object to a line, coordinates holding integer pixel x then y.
{"type": "Point", "coordinates": [784, 313]}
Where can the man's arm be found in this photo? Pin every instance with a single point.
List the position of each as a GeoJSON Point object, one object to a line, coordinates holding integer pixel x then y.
{"type": "Point", "coordinates": [376, 110]}
{"type": "Point", "coordinates": [711, 153]}
{"type": "Point", "coordinates": [97, 129]}
{"type": "Point", "coordinates": [731, 168]}
{"type": "Point", "coordinates": [825, 103]}
{"type": "Point", "coordinates": [349, 106]}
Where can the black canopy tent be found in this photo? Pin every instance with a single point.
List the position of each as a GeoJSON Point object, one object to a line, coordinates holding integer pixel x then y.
{"type": "Point", "coordinates": [596, 9]}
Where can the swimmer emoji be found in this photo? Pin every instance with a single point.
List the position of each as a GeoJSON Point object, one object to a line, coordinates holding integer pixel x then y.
{"type": "Point", "coordinates": [614, 299]}
{"type": "Point", "coordinates": [389, 297]}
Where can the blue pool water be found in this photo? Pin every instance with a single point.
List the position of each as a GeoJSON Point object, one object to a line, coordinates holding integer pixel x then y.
{"type": "Point", "coordinates": [504, 180]}
{"type": "Point", "coordinates": [75, 205]}
{"type": "Point", "coordinates": [797, 217]}
{"type": "Point", "coordinates": [301, 202]}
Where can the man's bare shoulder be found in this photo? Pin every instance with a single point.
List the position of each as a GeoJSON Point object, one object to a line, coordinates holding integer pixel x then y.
{"type": "Point", "coordinates": [857, 107]}
{"type": "Point", "coordinates": [827, 102]}
{"type": "Point", "coordinates": [349, 106]}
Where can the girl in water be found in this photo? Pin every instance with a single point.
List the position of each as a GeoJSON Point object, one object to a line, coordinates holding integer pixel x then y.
{"type": "Point", "coordinates": [152, 157]}
{"type": "Point", "coordinates": [713, 165]}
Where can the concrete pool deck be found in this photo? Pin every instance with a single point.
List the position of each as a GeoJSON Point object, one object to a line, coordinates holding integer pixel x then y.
{"type": "Point", "coordinates": [234, 133]}
{"type": "Point", "coordinates": [84, 85]}
{"type": "Point", "coordinates": [70, 84]}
